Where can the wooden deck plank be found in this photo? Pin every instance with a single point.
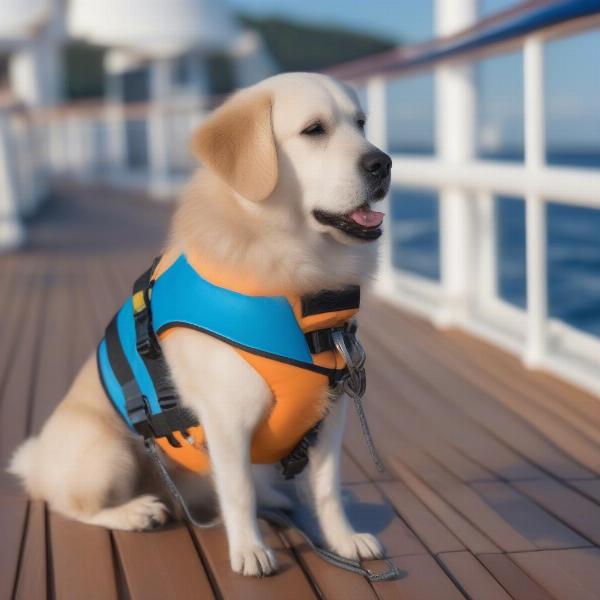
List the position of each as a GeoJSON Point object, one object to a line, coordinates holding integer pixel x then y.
{"type": "Point", "coordinates": [82, 560]}
{"type": "Point", "coordinates": [472, 576]}
{"type": "Point", "coordinates": [17, 390]}
{"type": "Point", "coordinates": [447, 378]}
{"type": "Point", "coordinates": [13, 513]}
{"type": "Point", "coordinates": [423, 579]}
{"type": "Point", "coordinates": [572, 574]}
{"type": "Point", "coordinates": [32, 577]}
{"type": "Point", "coordinates": [12, 313]}
{"type": "Point", "coordinates": [519, 383]}
{"type": "Point", "coordinates": [57, 335]}
{"type": "Point", "coordinates": [445, 421]}
{"type": "Point", "coordinates": [289, 582]}
{"type": "Point", "coordinates": [465, 501]}
{"type": "Point", "coordinates": [532, 521]}
{"type": "Point", "coordinates": [446, 486]}
{"type": "Point", "coordinates": [576, 437]}
{"type": "Point", "coordinates": [432, 532]}
{"type": "Point", "coordinates": [512, 578]}
{"type": "Point", "coordinates": [400, 402]}
{"type": "Point", "coordinates": [590, 487]}
{"type": "Point", "coordinates": [568, 505]}
{"type": "Point", "coordinates": [162, 564]}
{"type": "Point", "coordinates": [461, 527]}
{"type": "Point", "coordinates": [577, 401]}
{"type": "Point", "coordinates": [350, 472]}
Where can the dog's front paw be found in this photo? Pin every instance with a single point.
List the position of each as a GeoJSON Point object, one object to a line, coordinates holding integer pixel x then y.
{"type": "Point", "coordinates": [256, 560]}
{"type": "Point", "coordinates": [358, 546]}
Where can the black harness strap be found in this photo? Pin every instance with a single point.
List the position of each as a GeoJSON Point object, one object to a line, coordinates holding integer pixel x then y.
{"type": "Point", "coordinates": [173, 416]}
{"type": "Point", "coordinates": [295, 462]}
{"type": "Point", "coordinates": [136, 403]}
{"type": "Point", "coordinates": [331, 300]}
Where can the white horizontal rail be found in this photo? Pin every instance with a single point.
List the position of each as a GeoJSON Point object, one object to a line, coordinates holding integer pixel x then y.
{"type": "Point", "coordinates": [578, 186]}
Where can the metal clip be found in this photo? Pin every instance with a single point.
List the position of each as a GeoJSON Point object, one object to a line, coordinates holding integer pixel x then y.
{"type": "Point", "coordinates": [355, 382]}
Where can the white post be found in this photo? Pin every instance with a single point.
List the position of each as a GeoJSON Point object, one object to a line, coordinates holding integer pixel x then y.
{"type": "Point", "coordinates": [115, 122]}
{"type": "Point", "coordinates": [487, 250]}
{"type": "Point", "coordinates": [377, 134]}
{"type": "Point", "coordinates": [36, 70]}
{"type": "Point", "coordinates": [537, 280]}
{"type": "Point", "coordinates": [158, 139]}
{"type": "Point", "coordinates": [455, 118]}
{"type": "Point", "coordinates": [11, 230]}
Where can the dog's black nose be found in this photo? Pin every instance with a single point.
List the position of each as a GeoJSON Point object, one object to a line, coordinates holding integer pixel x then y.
{"type": "Point", "coordinates": [376, 163]}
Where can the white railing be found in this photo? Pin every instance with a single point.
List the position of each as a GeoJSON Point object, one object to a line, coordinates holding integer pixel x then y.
{"type": "Point", "coordinates": [23, 174]}
{"type": "Point", "coordinates": [467, 295]}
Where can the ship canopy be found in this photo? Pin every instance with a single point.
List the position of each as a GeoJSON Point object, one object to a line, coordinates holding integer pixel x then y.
{"type": "Point", "coordinates": [157, 28]}
{"type": "Point", "coordinates": [21, 18]}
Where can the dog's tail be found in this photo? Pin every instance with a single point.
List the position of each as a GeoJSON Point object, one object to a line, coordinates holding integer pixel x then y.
{"type": "Point", "coordinates": [22, 464]}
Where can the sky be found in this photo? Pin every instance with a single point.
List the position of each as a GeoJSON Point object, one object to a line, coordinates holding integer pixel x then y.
{"type": "Point", "coordinates": [572, 75]}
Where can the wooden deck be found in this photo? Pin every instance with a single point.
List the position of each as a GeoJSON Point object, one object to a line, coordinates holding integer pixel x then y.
{"type": "Point", "coordinates": [492, 489]}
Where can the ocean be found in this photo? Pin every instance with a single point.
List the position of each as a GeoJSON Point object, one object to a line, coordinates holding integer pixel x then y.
{"type": "Point", "coordinates": [573, 235]}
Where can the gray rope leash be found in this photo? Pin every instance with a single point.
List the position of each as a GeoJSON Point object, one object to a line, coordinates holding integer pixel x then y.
{"type": "Point", "coordinates": [355, 385]}
{"type": "Point", "coordinates": [280, 519]}
{"type": "Point", "coordinates": [276, 517]}
{"type": "Point", "coordinates": [180, 504]}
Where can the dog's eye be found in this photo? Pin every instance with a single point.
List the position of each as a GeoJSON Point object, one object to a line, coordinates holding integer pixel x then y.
{"type": "Point", "coordinates": [361, 124]}
{"type": "Point", "coordinates": [314, 129]}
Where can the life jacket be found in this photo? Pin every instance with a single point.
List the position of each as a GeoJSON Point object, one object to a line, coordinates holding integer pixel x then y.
{"type": "Point", "coordinates": [287, 339]}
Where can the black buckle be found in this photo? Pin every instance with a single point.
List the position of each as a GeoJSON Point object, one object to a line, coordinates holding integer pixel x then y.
{"type": "Point", "coordinates": [293, 465]}
{"type": "Point", "coordinates": [137, 409]}
{"type": "Point", "coordinates": [146, 344]}
{"type": "Point", "coordinates": [319, 341]}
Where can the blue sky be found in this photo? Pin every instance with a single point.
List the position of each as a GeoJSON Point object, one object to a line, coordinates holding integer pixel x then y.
{"type": "Point", "coordinates": [572, 73]}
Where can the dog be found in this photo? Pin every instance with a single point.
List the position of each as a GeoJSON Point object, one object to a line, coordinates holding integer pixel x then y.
{"type": "Point", "coordinates": [283, 194]}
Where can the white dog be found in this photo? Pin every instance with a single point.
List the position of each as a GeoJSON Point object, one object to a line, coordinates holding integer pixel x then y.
{"type": "Point", "coordinates": [284, 195]}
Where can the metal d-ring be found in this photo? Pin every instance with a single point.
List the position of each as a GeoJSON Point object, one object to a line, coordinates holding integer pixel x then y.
{"type": "Point", "coordinates": [355, 383]}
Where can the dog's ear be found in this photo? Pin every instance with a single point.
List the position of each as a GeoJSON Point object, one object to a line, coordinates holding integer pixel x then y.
{"type": "Point", "coordinates": [236, 141]}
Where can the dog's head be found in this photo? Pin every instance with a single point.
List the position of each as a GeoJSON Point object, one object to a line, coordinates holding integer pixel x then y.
{"type": "Point", "coordinates": [298, 139]}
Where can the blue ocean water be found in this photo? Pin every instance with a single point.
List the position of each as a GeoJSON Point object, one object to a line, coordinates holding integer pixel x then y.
{"type": "Point", "coordinates": [573, 235]}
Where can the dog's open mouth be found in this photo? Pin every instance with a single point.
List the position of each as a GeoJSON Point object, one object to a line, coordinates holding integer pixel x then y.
{"type": "Point", "coordinates": [362, 222]}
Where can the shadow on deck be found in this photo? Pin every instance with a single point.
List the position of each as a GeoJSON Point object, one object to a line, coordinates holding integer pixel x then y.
{"type": "Point", "coordinates": [492, 488]}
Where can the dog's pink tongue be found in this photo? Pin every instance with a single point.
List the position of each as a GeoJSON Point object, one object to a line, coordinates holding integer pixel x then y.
{"type": "Point", "coordinates": [367, 217]}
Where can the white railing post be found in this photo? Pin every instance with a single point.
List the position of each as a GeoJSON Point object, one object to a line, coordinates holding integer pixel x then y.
{"type": "Point", "coordinates": [536, 242]}
{"type": "Point", "coordinates": [158, 139]}
{"type": "Point", "coordinates": [377, 134]}
{"type": "Point", "coordinates": [487, 248]}
{"type": "Point", "coordinates": [115, 123]}
{"type": "Point", "coordinates": [11, 230]}
{"type": "Point", "coordinates": [455, 119]}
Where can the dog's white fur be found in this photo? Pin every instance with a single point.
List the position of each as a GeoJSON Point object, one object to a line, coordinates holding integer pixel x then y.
{"type": "Point", "coordinates": [249, 209]}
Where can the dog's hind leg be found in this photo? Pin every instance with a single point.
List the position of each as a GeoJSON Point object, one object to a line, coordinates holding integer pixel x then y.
{"type": "Point", "coordinates": [85, 464]}
{"type": "Point", "coordinates": [98, 486]}
{"type": "Point", "coordinates": [143, 512]}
